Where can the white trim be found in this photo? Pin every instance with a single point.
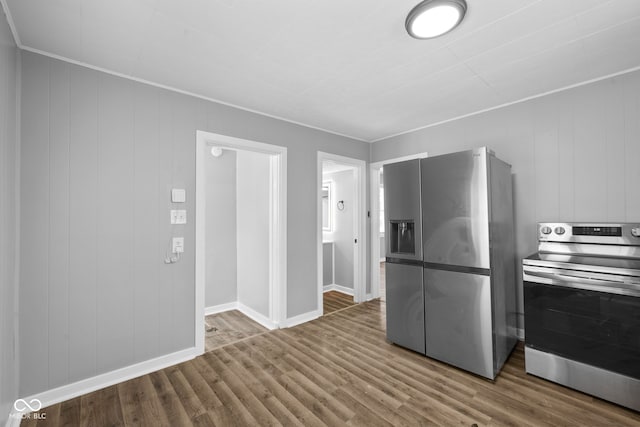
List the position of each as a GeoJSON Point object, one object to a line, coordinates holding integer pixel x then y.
{"type": "Point", "coordinates": [508, 104]}
{"type": "Point", "coordinates": [220, 308]}
{"type": "Point", "coordinates": [18, 42]}
{"type": "Point", "coordinates": [257, 317]}
{"type": "Point", "coordinates": [79, 388]}
{"type": "Point", "coordinates": [359, 222]}
{"type": "Point", "coordinates": [380, 163]}
{"type": "Point", "coordinates": [355, 138]}
{"type": "Point", "coordinates": [183, 92]}
{"type": "Point", "coordinates": [17, 260]}
{"type": "Point", "coordinates": [13, 420]}
{"type": "Point", "coordinates": [278, 237]}
{"type": "Point", "coordinates": [338, 288]}
{"type": "Point", "coordinates": [200, 262]}
{"type": "Point", "coordinates": [301, 318]}
{"type": "Point", "coordinates": [12, 25]}
{"type": "Point", "coordinates": [244, 309]}
{"type": "Point", "coordinates": [374, 187]}
{"type": "Point", "coordinates": [520, 333]}
{"type": "Point", "coordinates": [277, 229]}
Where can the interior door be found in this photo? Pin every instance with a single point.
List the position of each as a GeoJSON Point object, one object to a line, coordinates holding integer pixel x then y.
{"type": "Point", "coordinates": [458, 320]}
{"type": "Point", "coordinates": [455, 209]}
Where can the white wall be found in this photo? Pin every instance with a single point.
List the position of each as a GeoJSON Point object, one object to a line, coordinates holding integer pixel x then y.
{"type": "Point", "coordinates": [100, 155]}
{"type": "Point", "coordinates": [253, 198]}
{"type": "Point", "coordinates": [9, 150]}
{"type": "Point", "coordinates": [574, 155]}
{"type": "Point", "coordinates": [342, 233]}
{"type": "Point", "coordinates": [221, 248]}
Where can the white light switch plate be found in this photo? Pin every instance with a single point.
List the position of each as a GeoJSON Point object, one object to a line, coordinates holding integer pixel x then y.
{"type": "Point", "coordinates": [178, 195]}
{"type": "Point", "coordinates": [178, 216]}
{"type": "Point", "coordinates": [178, 245]}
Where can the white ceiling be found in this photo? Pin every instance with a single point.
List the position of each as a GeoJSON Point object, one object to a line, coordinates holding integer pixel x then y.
{"type": "Point", "coordinates": [347, 67]}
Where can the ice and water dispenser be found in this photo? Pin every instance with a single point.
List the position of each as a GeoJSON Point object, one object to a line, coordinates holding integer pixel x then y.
{"type": "Point", "coordinates": [402, 237]}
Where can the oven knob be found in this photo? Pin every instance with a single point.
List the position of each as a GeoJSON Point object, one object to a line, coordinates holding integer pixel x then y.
{"type": "Point", "coordinates": [635, 232]}
{"type": "Point", "coordinates": [546, 230]}
{"type": "Point", "coordinates": [559, 231]}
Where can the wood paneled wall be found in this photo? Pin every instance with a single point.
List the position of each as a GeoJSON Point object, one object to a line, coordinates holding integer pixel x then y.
{"type": "Point", "coordinates": [575, 154]}
{"type": "Point", "coordinates": [8, 215]}
{"type": "Point", "coordinates": [100, 155]}
{"type": "Point", "coordinates": [99, 158]}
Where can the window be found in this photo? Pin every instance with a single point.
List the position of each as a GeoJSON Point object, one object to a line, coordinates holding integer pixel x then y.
{"type": "Point", "coordinates": [326, 206]}
{"type": "Point", "coordinates": [381, 204]}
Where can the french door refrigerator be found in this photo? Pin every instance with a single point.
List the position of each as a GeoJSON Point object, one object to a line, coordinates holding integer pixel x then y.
{"type": "Point", "coordinates": [468, 260]}
{"type": "Point", "coordinates": [403, 267]}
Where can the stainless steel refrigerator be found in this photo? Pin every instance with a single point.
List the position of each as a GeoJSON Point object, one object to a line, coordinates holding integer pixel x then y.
{"type": "Point", "coordinates": [450, 270]}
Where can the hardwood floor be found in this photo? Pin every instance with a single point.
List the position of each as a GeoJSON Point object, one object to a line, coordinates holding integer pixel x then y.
{"type": "Point", "coordinates": [335, 370]}
{"type": "Point", "coordinates": [230, 326]}
{"type": "Point", "coordinates": [334, 301]}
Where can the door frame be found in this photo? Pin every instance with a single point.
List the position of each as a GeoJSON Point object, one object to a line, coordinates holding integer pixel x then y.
{"type": "Point", "coordinates": [374, 181]}
{"type": "Point", "coordinates": [359, 225]}
{"type": "Point", "coordinates": [277, 225]}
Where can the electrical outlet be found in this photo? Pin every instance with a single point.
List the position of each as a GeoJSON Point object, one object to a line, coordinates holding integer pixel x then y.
{"type": "Point", "coordinates": [178, 245]}
{"type": "Point", "coordinates": [178, 216]}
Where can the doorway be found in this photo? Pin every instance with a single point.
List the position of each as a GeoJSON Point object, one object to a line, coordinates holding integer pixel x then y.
{"type": "Point", "coordinates": [341, 231]}
{"type": "Point", "coordinates": [378, 244]}
{"type": "Point", "coordinates": [252, 234]}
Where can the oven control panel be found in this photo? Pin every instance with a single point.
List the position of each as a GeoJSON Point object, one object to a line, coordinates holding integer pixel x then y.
{"type": "Point", "coordinates": [605, 233]}
{"type": "Point", "coordinates": [597, 231]}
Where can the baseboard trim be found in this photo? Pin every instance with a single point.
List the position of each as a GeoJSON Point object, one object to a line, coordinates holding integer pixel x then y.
{"type": "Point", "coordinates": [14, 419]}
{"type": "Point", "coordinates": [301, 318]}
{"type": "Point", "coordinates": [220, 308]}
{"type": "Point", "coordinates": [339, 288]}
{"type": "Point", "coordinates": [69, 391]}
{"type": "Point", "coordinates": [247, 311]}
{"type": "Point", "coordinates": [257, 317]}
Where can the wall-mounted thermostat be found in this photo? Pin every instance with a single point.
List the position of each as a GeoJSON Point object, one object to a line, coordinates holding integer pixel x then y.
{"type": "Point", "coordinates": [178, 195]}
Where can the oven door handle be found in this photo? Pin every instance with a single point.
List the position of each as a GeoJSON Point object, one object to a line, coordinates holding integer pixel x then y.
{"type": "Point", "coordinates": [585, 283]}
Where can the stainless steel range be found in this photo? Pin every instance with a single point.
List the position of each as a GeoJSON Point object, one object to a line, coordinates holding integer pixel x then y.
{"type": "Point", "coordinates": [582, 309]}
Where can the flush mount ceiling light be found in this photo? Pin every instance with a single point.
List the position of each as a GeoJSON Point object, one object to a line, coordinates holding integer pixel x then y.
{"type": "Point", "coordinates": [216, 151]}
{"type": "Point", "coordinates": [433, 18]}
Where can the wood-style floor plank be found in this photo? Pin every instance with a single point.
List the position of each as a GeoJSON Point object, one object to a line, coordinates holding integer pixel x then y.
{"type": "Point", "coordinates": [69, 413]}
{"type": "Point", "coordinates": [101, 408]}
{"type": "Point", "coordinates": [335, 370]}
{"type": "Point", "coordinates": [169, 398]}
{"type": "Point", "coordinates": [227, 327]}
{"type": "Point", "coordinates": [140, 403]}
{"type": "Point", "coordinates": [333, 301]}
